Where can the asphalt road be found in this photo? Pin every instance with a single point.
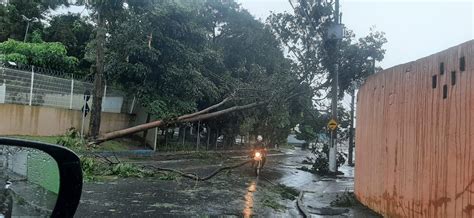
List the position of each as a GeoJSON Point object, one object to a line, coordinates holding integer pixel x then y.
{"type": "Point", "coordinates": [234, 193]}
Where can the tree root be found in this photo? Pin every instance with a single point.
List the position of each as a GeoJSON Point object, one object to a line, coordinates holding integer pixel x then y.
{"type": "Point", "coordinates": [196, 177]}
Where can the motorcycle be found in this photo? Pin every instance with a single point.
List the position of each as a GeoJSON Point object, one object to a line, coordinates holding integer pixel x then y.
{"type": "Point", "coordinates": [257, 163]}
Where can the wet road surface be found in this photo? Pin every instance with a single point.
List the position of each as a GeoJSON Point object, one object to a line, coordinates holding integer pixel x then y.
{"type": "Point", "coordinates": [233, 193]}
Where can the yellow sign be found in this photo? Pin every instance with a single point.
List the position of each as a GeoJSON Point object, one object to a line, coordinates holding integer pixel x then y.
{"type": "Point", "coordinates": [332, 124]}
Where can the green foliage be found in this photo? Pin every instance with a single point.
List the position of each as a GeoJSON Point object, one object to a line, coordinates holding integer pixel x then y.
{"type": "Point", "coordinates": [357, 59]}
{"type": "Point", "coordinates": [71, 139]}
{"type": "Point", "coordinates": [167, 70]}
{"type": "Point", "coordinates": [12, 24]}
{"type": "Point", "coordinates": [269, 201]}
{"type": "Point", "coordinates": [169, 176]}
{"type": "Point", "coordinates": [74, 32]}
{"type": "Point", "coordinates": [93, 169]}
{"type": "Point", "coordinates": [90, 169]}
{"type": "Point", "coordinates": [14, 57]}
{"type": "Point", "coordinates": [36, 37]}
{"type": "Point", "coordinates": [320, 162]}
{"type": "Point", "coordinates": [50, 55]}
{"type": "Point", "coordinates": [286, 192]}
{"type": "Point", "coordinates": [129, 170]}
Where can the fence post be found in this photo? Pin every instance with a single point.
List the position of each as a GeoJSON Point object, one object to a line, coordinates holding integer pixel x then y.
{"type": "Point", "coordinates": [184, 135]}
{"type": "Point", "coordinates": [103, 98]}
{"type": "Point", "coordinates": [72, 93]}
{"type": "Point", "coordinates": [31, 85]}
{"type": "Point", "coordinates": [156, 139]}
{"type": "Point", "coordinates": [105, 91]}
{"type": "Point", "coordinates": [208, 137]}
{"type": "Point", "coordinates": [198, 135]}
{"type": "Point", "coordinates": [133, 105]}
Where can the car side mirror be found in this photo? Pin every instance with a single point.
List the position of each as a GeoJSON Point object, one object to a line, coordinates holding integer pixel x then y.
{"type": "Point", "coordinates": [38, 179]}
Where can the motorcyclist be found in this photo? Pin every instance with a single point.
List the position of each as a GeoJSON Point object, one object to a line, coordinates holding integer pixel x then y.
{"type": "Point", "coordinates": [261, 147]}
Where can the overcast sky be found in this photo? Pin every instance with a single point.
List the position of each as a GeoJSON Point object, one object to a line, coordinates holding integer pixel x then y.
{"type": "Point", "coordinates": [414, 29]}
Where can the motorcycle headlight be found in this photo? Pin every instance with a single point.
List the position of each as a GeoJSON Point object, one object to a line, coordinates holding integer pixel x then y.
{"type": "Point", "coordinates": [257, 154]}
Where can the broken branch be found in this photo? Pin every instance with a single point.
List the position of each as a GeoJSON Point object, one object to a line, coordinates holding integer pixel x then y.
{"type": "Point", "coordinates": [196, 177]}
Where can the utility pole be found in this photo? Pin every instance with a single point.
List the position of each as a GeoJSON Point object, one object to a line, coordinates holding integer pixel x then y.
{"type": "Point", "coordinates": [335, 82]}
{"type": "Point", "coordinates": [351, 129]}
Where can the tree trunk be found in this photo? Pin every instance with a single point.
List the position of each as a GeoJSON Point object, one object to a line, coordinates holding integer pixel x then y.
{"type": "Point", "coordinates": [94, 126]}
{"type": "Point", "coordinates": [351, 131]}
{"type": "Point", "coordinates": [229, 140]}
{"type": "Point", "coordinates": [145, 133]}
{"type": "Point", "coordinates": [208, 137]}
{"type": "Point", "coordinates": [181, 119]}
{"type": "Point", "coordinates": [212, 136]}
{"type": "Point", "coordinates": [166, 139]}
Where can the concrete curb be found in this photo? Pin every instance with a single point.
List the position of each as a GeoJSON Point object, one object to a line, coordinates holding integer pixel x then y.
{"type": "Point", "coordinates": [300, 205]}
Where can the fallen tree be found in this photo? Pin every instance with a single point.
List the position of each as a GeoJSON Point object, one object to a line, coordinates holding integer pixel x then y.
{"type": "Point", "coordinates": [197, 116]}
{"type": "Point", "coordinates": [196, 177]}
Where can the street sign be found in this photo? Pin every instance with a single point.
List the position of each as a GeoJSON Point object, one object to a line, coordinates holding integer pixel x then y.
{"type": "Point", "coordinates": [87, 109]}
{"type": "Point", "coordinates": [332, 125]}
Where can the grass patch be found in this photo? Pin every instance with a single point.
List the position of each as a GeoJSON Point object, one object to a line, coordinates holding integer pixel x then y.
{"type": "Point", "coordinates": [45, 139]}
{"type": "Point", "coordinates": [114, 145]}
{"type": "Point", "coordinates": [285, 192]}
{"type": "Point", "coordinates": [169, 176]}
{"type": "Point", "coordinates": [269, 201]}
{"type": "Point", "coordinates": [20, 201]}
{"type": "Point", "coordinates": [74, 143]}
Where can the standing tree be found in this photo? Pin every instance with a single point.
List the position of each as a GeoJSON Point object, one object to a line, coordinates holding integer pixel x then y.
{"type": "Point", "coordinates": [106, 13]}
{"type": "Point", "coordinates": [74, 32]}
{"type": "Point", "coordinates": [173, 58]}
{"type": "Point", "coordinates": [303, 33]}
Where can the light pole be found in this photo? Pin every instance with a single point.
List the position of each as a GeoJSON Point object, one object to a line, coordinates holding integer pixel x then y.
{"type": "Point", "coordinates": [28, 20]}
{"type": "Point", "coordinates": [336, 33]}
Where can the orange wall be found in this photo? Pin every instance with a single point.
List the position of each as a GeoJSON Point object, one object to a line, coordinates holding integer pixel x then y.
{"type": "Point", "coordinates": [415, 150]}
{"type": "Point", "coordinates": [48, 121]}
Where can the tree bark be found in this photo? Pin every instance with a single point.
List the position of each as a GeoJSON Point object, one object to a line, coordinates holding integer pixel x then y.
{"type": "Point", "coordinates": [145, 133]}
{"type": "Point", "coordinates": [207, 109]}
{"type": "Point", "coordinates": [94, 126]}
{"type": "Point", "coordinates": [181, 119]}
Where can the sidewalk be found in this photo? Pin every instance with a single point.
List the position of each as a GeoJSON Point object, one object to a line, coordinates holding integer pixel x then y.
{"type": "Point", "coordinates": [320, 197]}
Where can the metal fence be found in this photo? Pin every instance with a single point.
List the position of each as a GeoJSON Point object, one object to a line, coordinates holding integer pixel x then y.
{"type": "Point", "coordinates": [33, 87]}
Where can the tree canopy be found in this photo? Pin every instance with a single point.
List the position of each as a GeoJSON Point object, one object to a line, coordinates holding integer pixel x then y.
{"type": "Point", "coordinates": [179, 57]}
{"type": "Point", "coordinates": [52, 55]}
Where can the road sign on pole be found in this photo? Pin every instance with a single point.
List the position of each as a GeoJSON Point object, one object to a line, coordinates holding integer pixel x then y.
{"type": "Point", "coordinates": [85, 110]}
{"type": "Point", "coordinates": [332, 124]}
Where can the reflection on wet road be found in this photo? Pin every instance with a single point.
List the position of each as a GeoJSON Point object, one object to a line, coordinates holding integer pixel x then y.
{"type": "Point", "coordinates": [249, 199]}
